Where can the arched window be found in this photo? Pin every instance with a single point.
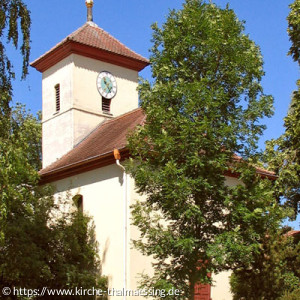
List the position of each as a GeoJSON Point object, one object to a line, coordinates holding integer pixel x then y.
{"type": "Point", "coordinates": [57, 97]}
{"type": "Point", "coordinates": [78, 201]}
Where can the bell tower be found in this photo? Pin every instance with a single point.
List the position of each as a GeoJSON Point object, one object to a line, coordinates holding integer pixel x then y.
{"type": "Point", "coordinates": [87, 78]}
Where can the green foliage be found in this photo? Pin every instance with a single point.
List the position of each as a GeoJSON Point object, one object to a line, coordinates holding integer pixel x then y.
{"type": "Point", "coordinates": [282, 154]}
{"type": "Point", "coordinates": [19, 162]}
{"type": "Point", "coordinates": [294, 30]}
{"type": "Point", "coordinates": [274, 271]}
{"type": "Point", "coordinates": [202, 108]}
{"type": "Point", "coordinates": [294, 295]}
{"type": "Point", "coordinates": [43, 243]}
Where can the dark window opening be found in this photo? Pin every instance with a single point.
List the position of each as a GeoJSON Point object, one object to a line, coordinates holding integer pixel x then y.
{"type": "Point", "coordinates": [106, 105]}
{"type": "Point", "coordinates": [78, 201]}
{"type": "Point", "coordinates": [57, 97]}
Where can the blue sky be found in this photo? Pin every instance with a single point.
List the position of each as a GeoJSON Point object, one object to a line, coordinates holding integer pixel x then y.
{"type": "Point", "coordinates": [130, 22]}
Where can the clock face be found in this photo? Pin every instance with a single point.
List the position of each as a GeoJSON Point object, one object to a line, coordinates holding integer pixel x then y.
{"type": "Point", "coordinates": [107, 85]}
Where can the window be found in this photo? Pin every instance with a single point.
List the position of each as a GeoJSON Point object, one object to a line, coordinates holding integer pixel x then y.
{"type": "Point", "coordinates": [78, 201]}
{"type": "Point", "coordinates": [57, 98]}
{"type": "Point", "coordinates": [106, 105]}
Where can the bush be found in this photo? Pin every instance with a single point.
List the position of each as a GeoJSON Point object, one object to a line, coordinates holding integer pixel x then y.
{"type": "Point", "coordinates": [294, 295]}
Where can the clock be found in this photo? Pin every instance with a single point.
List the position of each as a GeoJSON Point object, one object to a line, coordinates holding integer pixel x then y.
{"type": "Point", "coordinates": [106, 85]}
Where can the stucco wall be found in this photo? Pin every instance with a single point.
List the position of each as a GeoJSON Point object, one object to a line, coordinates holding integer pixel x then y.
{"type": "Point", "coordinates": [102, 193]}
{"type": "Point", "coordinates": [221, 288]}
{"type": "Point", "coordinates": [103, 199]}
{"type": "Point", "coordinates": [59, 137]}
{"type": "Point", "coordinates": [61, 73]}
{"type": "Point", "coordinates": [54, 145]}
{"type": "Point", "coordinates": [86, 95]}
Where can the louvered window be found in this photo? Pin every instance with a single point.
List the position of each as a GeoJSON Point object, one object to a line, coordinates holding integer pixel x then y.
{"type": "Point", "coordinates": [57, 97]}
{"type": "Point", "coordinates": [106, 105]}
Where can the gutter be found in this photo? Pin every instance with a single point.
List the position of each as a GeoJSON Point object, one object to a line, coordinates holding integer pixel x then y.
{"type": "Point", "coordinates": [81, 166]}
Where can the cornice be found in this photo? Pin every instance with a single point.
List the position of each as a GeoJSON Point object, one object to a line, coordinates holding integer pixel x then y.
{"type": "Point", "coordinates": [71, 47]}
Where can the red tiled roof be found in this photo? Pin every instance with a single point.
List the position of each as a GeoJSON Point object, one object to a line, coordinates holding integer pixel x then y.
{"type": "Point", "coordinates": [91, 41]}
{"type": "Point", "coordinates": [94, 36]}
{"type": "Point", "coordinates": [96, 150]}
{"type": "Point", "coordinates": [292, 233]}
{"type": "Point", "coordinates": [263, 172]}
{"type": "Point", "coordinates": [98, 144]}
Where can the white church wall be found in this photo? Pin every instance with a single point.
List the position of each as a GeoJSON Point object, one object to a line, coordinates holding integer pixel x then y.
{"type": "Point", "coordinates": [103, 196]}
{"type": "Point", "coordinates": [84, 123]}
{"type": "Point", "coordinates": [61, 73]}
{"type": "Point", "coordinates": [59, 139]}
{"type": "Point", "coordinates": [53, 122]}
{"type": "Point", "coordinates": [220, 289]}
{"type": "Point", "coordinates": [103, 199]}
{"type": "Point", "coordinates": [139, 264]}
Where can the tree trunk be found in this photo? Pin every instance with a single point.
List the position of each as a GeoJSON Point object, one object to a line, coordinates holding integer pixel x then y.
{"type": "Point", "coordinates": [192, 290]}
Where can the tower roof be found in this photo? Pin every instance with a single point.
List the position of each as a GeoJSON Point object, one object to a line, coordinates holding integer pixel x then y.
{"type": "Point", "coordinates": [92, 41]}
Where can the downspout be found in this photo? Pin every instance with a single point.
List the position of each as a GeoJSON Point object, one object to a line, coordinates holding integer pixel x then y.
{"type": "Point", "coordinates": [117, 156]}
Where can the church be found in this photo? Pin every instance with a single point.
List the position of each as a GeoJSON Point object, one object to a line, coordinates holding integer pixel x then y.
{"type": "Point", "coordinates": [90, 103]}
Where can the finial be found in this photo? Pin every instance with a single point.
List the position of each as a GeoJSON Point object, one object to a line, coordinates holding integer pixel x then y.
{"type": "Point", "coordinates": [89, 4]}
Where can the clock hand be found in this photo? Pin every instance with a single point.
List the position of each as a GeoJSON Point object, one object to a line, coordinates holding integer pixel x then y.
{"type": "Point", "coordinates": [107, 85]}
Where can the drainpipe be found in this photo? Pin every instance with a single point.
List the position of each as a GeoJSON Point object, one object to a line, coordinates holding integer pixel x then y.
{"type": "Point", "coordinates": [117, 156]}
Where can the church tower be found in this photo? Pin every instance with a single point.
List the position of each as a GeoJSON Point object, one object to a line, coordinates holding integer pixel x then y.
{"type": "Point", "coordinates": [87, 78]}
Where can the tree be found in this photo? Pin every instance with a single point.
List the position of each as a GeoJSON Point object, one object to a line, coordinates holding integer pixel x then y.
{"type": "Point", "coordinates": [274, 272]}
{"type": "Point", "coordinates": [283, 154]}
{"type": "Point", "coordinates": [11, 11]}
{"type": "Point", "coordinates": [45, 243]}
{"type": "Point", "coordinates": [202, 109]}
{"type": "Point", "coordinates": [294, 295]}
{"type": "Point", "coordinates": [294, 30]}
